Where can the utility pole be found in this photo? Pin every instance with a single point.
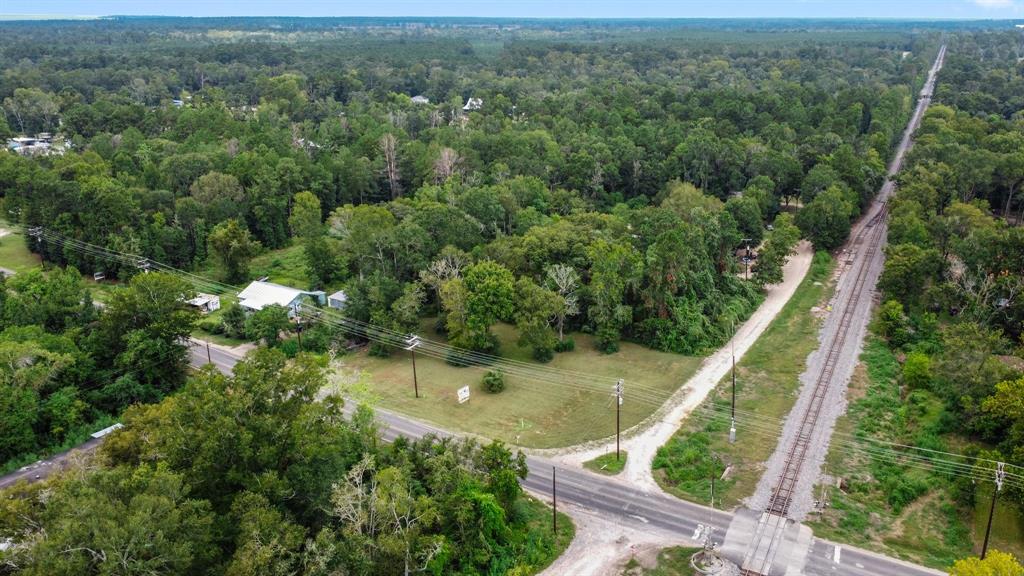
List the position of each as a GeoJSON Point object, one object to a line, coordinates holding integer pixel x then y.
{"type": "Point", "coordinates": [732, 426]}
{"type": "Point", "coordinates": [554, 505]}
{"type": "Point", "coordinates": [746, 259]}
{"type": "Point", "coordinates": [618, 410]}
{"type": "Point", "coordinates": [1000, 476]}
{"type": "Point", "coordinates": [298, 323]}
{"type": "Point", "coordinates": [412, 343]}
{"type": "Point", "coordinates": [209, 359]}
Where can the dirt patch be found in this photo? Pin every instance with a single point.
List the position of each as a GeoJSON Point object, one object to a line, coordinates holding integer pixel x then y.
{"type": "Point", "coordinates": [604, 547]}
{"type": "Point", "coordinates": [858, 384]}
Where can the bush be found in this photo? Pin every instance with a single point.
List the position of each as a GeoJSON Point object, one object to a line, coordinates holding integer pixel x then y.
{"type": "Point", "coordinates": [211, 326]}
{"type": "Point", "coordinates": [607, 339]}
{"type": "Point", "coordinates": [494, 381]}
{"type": "Point", "coordinates": [543, 354]}
{"type": "Point", "coordinates": [917, 371]}
{"type": "Point", "coordinates": [289, 347]}
{"type": "Point", "coordinates": [567, 345]}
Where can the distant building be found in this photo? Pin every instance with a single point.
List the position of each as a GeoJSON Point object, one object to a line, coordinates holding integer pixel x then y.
{"type": "Point", "coordinates": [473, 104]}
{"type": "Point", "coordinates": [205, 302]}
{"type": "Point", "coordinates": [337, 300]}
{"type": "Point", "coordinates": [420, 99]}
{"type": "Point", "coordinates": [42, 144]}
{"type": "Point", "coordinates": [259, 294]}
{"type": "Point", "coordinates": [177, 103]}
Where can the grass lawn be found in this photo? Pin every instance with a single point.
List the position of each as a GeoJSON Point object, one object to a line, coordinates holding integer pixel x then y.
{"type": "Point", "coordinates": [15, 255]}
{"type": "Point", "coordinates": [673, 561]}
{"type": "Point", "coordinates": [284, 266]}
{"type": "Point", "coordinates": [767, 382]}
{"type": "Point", "coordinates": [607, 464]}
{"type": "Point", "coordinates": [527, 413]}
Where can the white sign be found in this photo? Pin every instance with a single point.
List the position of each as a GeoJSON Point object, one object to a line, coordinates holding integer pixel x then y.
{"type": "Point", "coordinates": [463, 394]}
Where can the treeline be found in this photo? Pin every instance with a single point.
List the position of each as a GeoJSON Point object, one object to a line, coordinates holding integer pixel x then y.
{"type": "Point", "coordinates": [68, 365]}
{"type": "Point", "coordinates": [954, 275]}
{"type": "Point", "coordinates": [636, 173]}
{"type": "Point", "coordinates": [255, 474]}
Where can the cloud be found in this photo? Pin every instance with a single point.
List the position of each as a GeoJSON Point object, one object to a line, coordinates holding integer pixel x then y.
{"type": "Point", "coordinates": [994, 3]}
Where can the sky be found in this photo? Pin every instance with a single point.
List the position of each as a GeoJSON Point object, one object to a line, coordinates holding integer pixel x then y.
{"type": "Point", "coordinates": [915, 9]}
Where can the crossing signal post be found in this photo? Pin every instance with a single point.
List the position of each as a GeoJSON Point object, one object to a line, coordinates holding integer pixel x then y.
{"type": "Point", "coordinates": [618, 411]}
{"type": "Point", "coordinates": [412, 343]}
{"type": "Point", "coordinates": [1000, 476]}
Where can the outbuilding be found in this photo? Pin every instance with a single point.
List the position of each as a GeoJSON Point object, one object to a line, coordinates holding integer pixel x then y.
{"type": "Point", "coordinates": [337, 300]}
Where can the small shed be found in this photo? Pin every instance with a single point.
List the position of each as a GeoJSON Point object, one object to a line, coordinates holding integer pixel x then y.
{"type": "Point", "coordinates": [337, 300]}
{"type": "Point", "coordinates": [420, 99]}
{"type": "Point", "coordinates": [473, 104]}
{"type": "Point", "coordinates": [205, 302]}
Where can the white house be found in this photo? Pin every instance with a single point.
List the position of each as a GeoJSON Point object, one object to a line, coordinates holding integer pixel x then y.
{"type": "Point", "coordinates": [259, 294]}
{"type": "Point", "coordinates": [205, 302]}
{"type": "Point", "coordinates": [337, 300]}
{"type": "Point", "coordinates": [420, 99]}
{"type": "Point", "coordinates": [473, 104]}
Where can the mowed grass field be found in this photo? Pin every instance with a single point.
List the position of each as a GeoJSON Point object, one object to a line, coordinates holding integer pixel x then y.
{"type": "Point", "coordinates": [527, 413]}
{"type": "Point", "coordinates": [15, 255]}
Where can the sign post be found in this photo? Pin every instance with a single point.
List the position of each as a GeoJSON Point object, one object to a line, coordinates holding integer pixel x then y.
{"type": "Point", "coordinates": [463, 394]}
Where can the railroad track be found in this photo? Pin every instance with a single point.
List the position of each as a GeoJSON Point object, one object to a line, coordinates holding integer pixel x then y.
{"type": "Point", "coordinates": [774, 522]}
{"type": "Point", "coordinates": [865, 244]}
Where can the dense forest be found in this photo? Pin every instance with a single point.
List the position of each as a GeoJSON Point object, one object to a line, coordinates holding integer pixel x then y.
{"type": "Point", "coordinates": [560, 177]}
{"type": "Point", "coordinates": [604, 161]}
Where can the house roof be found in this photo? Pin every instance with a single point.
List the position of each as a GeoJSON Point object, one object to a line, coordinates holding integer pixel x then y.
{"type": "Point", "coordinates": [202, 299]}
{"type": "Point", "coordinates": [260, 294]}
{"type": "Point", "coordinates": [339, 295]}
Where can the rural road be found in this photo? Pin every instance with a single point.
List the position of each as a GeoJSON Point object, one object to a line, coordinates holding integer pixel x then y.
{"type": "Point", "coordinates": [606, 497]}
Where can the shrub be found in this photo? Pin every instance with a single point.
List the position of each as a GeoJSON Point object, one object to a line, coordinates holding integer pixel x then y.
{"type": "Point", "coordinates": [289, 347]}
{"type": "Point", "coordinates": [567, 345]}
{"type": "Point", "coordinates": [543, 354]}
{"type": "Point", "coordinates": [211, 326]}
{"type": "Point", "coordinates": [494, 381]}
{"type": "Point", "coordinates": [917, 371]}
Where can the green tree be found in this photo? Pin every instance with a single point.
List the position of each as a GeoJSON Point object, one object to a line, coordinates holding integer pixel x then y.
{"type": "Point", "coordinates": [232, 244]}
{"type": "Point", "coordinates": [144, 329]}
{"type": "Point", "coordinates": [826, 220]}
{"type": "Point", "coordinates": [535, 308]}
{"type": "Point", "coordinates": [305, 216]}
{"type": "Point", "coordinates": [490, 296]}
{"type": "Point", "coordinates": [267, 324]}
{"type": "Point", "coordinates": [908, 268]}
{"type": "Point", "coordinates": [614, 269]}
{"type": "Point", "coordinates": [779, 245]}
{"type": "Point", "coordinates": [220, 195]}
{"type": "Point", "coordinates": [325, 263]}
{"type": "Point", "coordinates": [134, 521]}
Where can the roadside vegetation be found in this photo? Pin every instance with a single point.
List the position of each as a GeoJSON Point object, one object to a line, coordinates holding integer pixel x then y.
{"type": "Point", "coordinates": [767, 380]}
{"type": "Point", "coordinates": [607, 464]}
